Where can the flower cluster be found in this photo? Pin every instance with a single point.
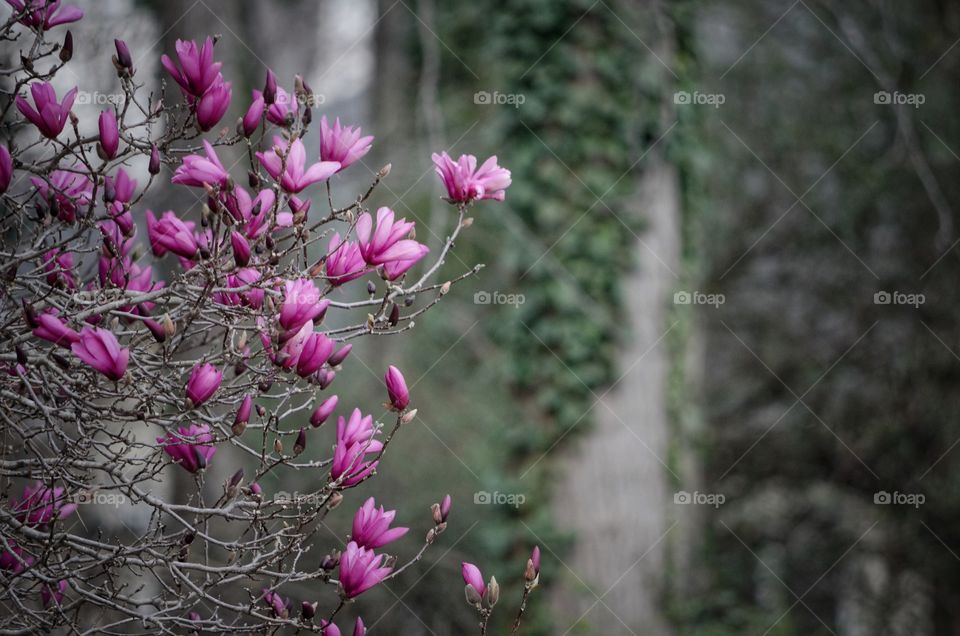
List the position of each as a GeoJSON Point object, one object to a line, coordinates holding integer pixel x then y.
{"type": "Point", "coordinates": [128, 376]}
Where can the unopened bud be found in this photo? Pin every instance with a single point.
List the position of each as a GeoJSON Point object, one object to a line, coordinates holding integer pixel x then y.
{"type": "Point", "coordinates": [467, 222]}
{"type": "Point", "coordinates": [445, 288]}
{"type": "Point", "coordinates": [431, 535]}
{"type": "Point", "coordinates": [473, 597]}
{"type": "Point", "coordinates": [371, 287]}
{"type": "Point", "coordinates": [308, 610]}
{"type": "Point", "coordinates": [153, 167]}
{"type": "Point", "coordinates": [278, 446]}
{"type": "Point", "coordinates": [169, 327]}
{"type": "Point", "coordinates": [384, 171]}
{"type": "Point", "coordinates": [394, 315]}
{"type": "Point", "coordinates": [335, 500]}
{"type": "Point", "coordinates": [493, 592]}
{"type": "Point", "coordinates": [301, 444]}
{"type": "Point", "coordinates": [66, 51]}
{"type": "Point", "coordinates": [408, 416]}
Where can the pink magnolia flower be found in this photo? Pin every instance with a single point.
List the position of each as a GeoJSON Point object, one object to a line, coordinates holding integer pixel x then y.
{"type": "Point", "coordinates": [41, 505]}
{"type": "Point", "coordinates": [47, 114]}
{"type": "Point", "coordinates": [241, 249]}
{"type": "Point", "coordinates": [342, 144]}
{"type": "Point", "coordinates": [109, 133]}
{"type": "Point", "coordinates": [121, 190]}
{"type": "Point", "coordinates": [49, 593]}
{"type": "Point", "coordinates": [59, 268]}
{"type": "Point", "coordinates": [355, 440]}
{"type": "Point", "coordinates": [388, 242]}
{"type": "Point", "coordinates": [14, 560]}
{"type": "Point", "coordinates": [316, 349]}
{"type": "Point", "coordinates": [197, 70]}
{"type": "Point", "coordinates": [70, 190]}
{"type": "Point", "coordinates": [445, 505]}
{"type": "Point", "coordinates": [279, 606]}
{"type": "Point", "coordinates": [242, 279]}
{"type": "Point", "coordinates": [293, 343]}
{"type": "Point", "coordinates": [6, 168]}
{"type": "Point", "coordinates": [465, 183]}
{"type": "Point", "coordinates": [325, 410]}
{"type": "Point", "coordinates": [254, 213]}
{"type": "Point", "coordinates": [203, 383]}
{"type": "Point", "coordinates": [246, 408]}
{"type": "Point", "coordinates": [101, 351]}
{"type": "Point", "coordinates": [169, 233]}
{"type": "Point", "coordinates": [360, 569]}
{"type": "Point", "coordinates": [371, 526]}
{"type": "Point", "coordinates": [397, 389]}
{"type": "Point", "coordinates": [45, 14]}
{"type": "Point", "coordinates": [344, 261]}
{"type": "Point", "coordinates": [473, 578]}
{"type": "Point", "coordinates": [251, 120]}
{"type": "Point", "coordinates": [53, 329]}
{"type": "Point", "coordinates": [213, 104]}
{"type": "Point", "coordinates": [359, 629]}
{"type": "Point", "coordinates": [301, 303]}
{"type": "Point", "coordinates": [199, 172]}
{"type": "Point", "coordinates": [283, 110]}
{"type": "Point", "coordinates": [341, 355]}
{"type": "Point", "coordinates": [190, 447]}
{"type": "Point", "coordinates": [293, 175]}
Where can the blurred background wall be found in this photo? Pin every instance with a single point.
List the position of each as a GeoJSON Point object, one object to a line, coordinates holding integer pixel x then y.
{"type": "Point", "coordinates": [683, 296]}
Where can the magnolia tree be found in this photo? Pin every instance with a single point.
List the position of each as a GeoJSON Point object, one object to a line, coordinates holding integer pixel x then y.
{"type": "Point", "coordinates": [116, 380]}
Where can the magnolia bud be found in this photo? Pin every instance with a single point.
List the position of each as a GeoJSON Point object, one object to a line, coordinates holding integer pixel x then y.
{"type": "Point", "coordinates": [270, 88]}
{"type": "Point", "coordinates": [168, 326]}
{"type": "Point", "coordinates": [123, 59]}
{"type": "Point", "coordinates": [445, 288]}
{"type": "Point", "coordinates": [335, 500]}
{"type": "Point", "coordinates": [431, 535]}
{"type": "Point", "coordinates": [435, 511]}
{"type": "Point", "coordinates": [21, 355]}
{"type": "Point", "coordinates": [29, 314]}
{"type": "Point", "coordinates": [408, 416]}
{"type": "Point", "coordinates": [278, 446]}
{"type": "Point", "coordinates": [467, 222]}
{"type": "Point", "coordinates": [371, 287]}
{"type": "Point", "coordinates": [308, 610]}
{"type": "Point", "coordinates": [153, 167]}
{"type": "Point", "coordinates": [394, 315]}
{"type": "Point", "coordinates": [493, 592]}
{"type": "Point", "coordinates": [473, 598]}
{"type": "Point", "coordinates": [322, 412]}
{"type": "Point", "coordinates": [301, 444]}
{"type": "Point", "coordinates": [384, 171]}
{"type": "Point", "coordinates": [66, 51]}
